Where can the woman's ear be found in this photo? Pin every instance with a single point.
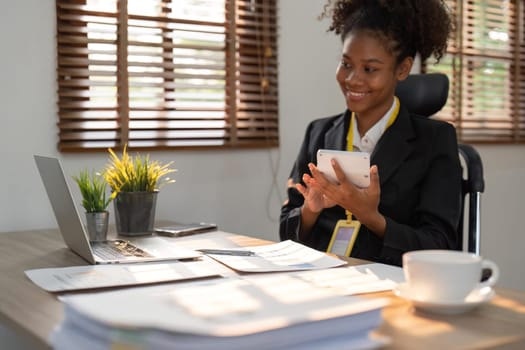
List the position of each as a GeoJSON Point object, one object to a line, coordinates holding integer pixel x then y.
{"type": "Point", "coordinates": [403, 68]}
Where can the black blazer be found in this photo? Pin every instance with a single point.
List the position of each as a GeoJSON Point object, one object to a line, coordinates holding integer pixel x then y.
{"type": "Point", "coordinates": [420, 177]}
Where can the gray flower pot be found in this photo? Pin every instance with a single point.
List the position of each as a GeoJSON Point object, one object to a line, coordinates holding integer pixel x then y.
{"type": "Point", "coordinates": [135, 212]}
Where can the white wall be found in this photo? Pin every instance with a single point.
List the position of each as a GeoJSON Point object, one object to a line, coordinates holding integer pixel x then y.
{"type": "Point", "coordinates": [231, 187]}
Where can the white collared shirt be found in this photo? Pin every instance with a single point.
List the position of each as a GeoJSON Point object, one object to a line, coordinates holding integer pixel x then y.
{"type": "Point", "coordinates": [369, 140]}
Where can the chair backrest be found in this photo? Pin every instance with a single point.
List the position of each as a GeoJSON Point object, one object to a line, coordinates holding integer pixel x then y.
{"type": "Point", "coordinates": [423, 94]}
{"type": "Point", "coordinates": [426, 94]}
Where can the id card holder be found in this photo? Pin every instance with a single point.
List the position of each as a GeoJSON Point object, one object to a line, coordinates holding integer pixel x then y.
{"type": "Point", "coordinates": [343, 237]}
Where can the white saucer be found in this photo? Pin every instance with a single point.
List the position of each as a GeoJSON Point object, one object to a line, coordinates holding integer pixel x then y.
{"type": "Point", "coordinates": [475, 298]}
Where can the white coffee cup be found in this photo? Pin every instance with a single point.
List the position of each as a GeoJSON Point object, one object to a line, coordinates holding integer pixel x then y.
{"type": "Point", "coordinates": [446, 275]}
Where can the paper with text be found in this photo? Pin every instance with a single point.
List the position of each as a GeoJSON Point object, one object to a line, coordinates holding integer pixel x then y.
{"type": "Point", "coordinates": [100, 276]}
{"type": "Point", "coordinates": [351, 280]}
{"type": "Point", "coordinates": [283, 256]}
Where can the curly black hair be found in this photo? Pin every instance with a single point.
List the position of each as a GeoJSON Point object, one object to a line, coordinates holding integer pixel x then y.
{"type": "Point", "coordinates": [407, 27]}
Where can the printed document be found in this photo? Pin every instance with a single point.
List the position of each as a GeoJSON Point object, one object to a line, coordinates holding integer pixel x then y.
{"type": "Point", "coordinates": [351, 280]}
{"type": "Point", "coordinates": [283, 256]}
{"type": "Point", "coordinates": [117, 275]}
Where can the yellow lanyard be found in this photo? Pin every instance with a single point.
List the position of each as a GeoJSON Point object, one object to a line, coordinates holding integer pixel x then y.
{"type": "Point", "coordinates": [350, 134]}
{"type": "Point", "coordinates": [350, 137]}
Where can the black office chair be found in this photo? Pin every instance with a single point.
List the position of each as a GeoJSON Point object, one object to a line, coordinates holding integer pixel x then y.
{"type": "Point", "coordinates": [426, 94]}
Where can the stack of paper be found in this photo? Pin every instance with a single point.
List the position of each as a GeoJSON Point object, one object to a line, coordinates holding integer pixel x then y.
{"type": "Point", "coordinates": [275, 311]}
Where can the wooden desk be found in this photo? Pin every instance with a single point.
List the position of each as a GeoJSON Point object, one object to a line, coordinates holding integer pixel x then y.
{"type": "Point", "coordinates": [33, 313]}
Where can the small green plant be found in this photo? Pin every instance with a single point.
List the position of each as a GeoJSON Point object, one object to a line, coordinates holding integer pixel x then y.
{"type": "Point", "coordinates": [136, 174]}
{"type": "Point", "coordinates": [93, 188]}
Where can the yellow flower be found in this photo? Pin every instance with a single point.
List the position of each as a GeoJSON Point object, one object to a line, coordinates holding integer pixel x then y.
{"type": "Point", "coordinates": [136, 174]}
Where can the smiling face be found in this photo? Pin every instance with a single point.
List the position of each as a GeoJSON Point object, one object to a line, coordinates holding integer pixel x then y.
{"type": "Point", "coordinates": [368, 74]}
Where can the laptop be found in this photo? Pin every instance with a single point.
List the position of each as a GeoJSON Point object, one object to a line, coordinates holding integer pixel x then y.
{"type": "Point", "coordinates": [76, 237]}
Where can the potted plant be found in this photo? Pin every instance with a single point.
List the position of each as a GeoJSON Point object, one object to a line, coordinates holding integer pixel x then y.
{"type": "Point", "coordinates": [95, 200]}
{"type": "Point", "coordinates": [135, 181]}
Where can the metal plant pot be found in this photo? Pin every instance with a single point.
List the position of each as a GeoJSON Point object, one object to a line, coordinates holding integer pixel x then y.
{"type": "Point", "coordinates": [97, 226]}
{"type": "Point", "coordinates": [135, 212]}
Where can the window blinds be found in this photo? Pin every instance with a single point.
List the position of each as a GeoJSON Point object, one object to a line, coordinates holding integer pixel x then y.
{"type": "Point", "coordinates": [486, 65]}
{"type": "Point", "coordinates": [163, 74]}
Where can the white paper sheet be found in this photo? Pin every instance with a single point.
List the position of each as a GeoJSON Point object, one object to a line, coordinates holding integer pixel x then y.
{"type": "Point", "coordinates": [351, 280]}
{"type": "Point", "coordinates": [99, 276]}
{"type": "Point", "coordinates": [283, 256]}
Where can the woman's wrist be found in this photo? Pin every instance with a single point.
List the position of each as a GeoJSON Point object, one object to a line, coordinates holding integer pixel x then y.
{"type": "Point", "coordinates": [376, 223]}
{"type": "Point", "coordinates": [306, 210]}
{"type": "Point", "coordinates": [308, 219]}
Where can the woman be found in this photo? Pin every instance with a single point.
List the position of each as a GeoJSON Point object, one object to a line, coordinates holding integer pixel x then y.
{"type": "Point", "coordinates": [413, 201]}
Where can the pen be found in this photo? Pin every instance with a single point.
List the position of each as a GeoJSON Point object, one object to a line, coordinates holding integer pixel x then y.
{"type": "Point", "coordinates": [232, 252]}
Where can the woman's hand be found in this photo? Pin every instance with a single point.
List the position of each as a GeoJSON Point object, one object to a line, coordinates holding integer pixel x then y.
{"type": "Point", "coordinates": [361, 202]}
{"type": "Point", "coordinates": [314, 200]}
{"type": "Point", "coordinates": [314, 203]}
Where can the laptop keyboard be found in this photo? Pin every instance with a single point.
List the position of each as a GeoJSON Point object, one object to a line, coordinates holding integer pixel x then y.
{"type": "Point", "coordinates": [118, 249]}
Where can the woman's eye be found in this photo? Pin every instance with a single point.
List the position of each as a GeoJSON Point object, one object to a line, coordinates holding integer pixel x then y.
{"type": "Point", "coordinates": [345, 64]}
{"type": "Point", "coordinates": [370, 69]}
